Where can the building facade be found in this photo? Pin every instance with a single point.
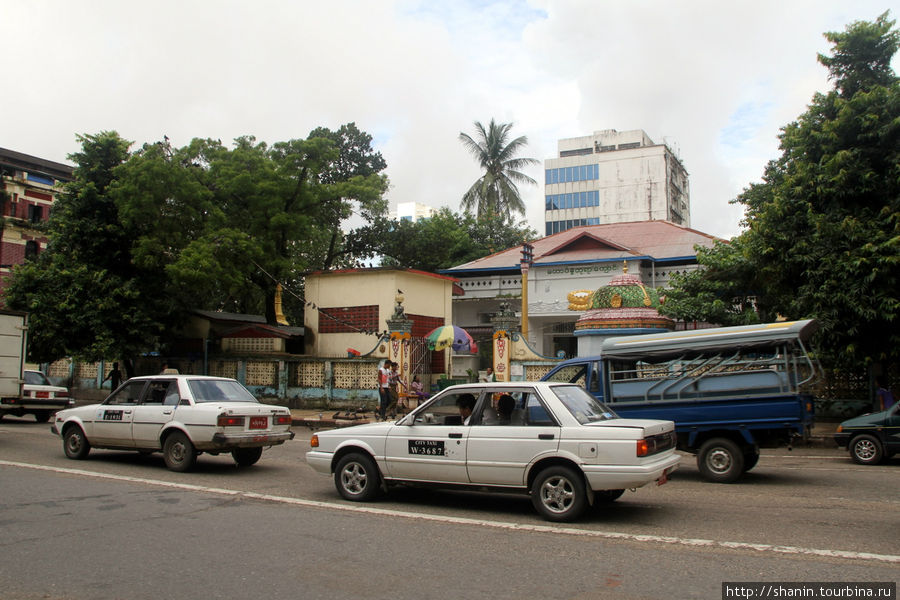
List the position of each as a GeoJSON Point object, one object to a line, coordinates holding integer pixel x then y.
{"type": "Point", "coordinates": [349, 310]}
{"type": "Point", "coordinates": [567, 267]}
{"type": "Point", "coordinates": [413, 211]}
{"type": "Point", "coordinates": [614, 177]}
{"type": "Point", "coordinates": [28, 188]}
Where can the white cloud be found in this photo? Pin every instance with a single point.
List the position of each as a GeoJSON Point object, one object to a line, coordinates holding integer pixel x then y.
{"type": "Point", "coordinates": [714, 80]}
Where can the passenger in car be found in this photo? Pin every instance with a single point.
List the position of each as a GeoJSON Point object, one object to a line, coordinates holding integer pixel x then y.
{"type": "Point", "coordinates": [505, 406]}
{"type": "Point", "coordinates": [466, 404]}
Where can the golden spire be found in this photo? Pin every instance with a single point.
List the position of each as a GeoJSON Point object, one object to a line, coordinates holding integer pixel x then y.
{"type": "Point", "coordinates": [279, 316]}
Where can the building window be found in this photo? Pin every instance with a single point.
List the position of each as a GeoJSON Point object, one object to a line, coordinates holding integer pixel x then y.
{"type": "Point", "coordinates": [31, 249]}
{"type": "Point", "coordinates": [348, 319]}
{"type": "Point", "coordinates": [35, 213]}
{"type": "Point", "coordinates": [40, 178]}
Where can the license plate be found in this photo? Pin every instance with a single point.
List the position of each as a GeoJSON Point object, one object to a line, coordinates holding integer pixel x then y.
{"type": "Point", "coordinates": [259, 422]}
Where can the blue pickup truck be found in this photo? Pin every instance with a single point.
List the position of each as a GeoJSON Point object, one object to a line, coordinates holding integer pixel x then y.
{"type": "Point", "coordinates": [729, 390]}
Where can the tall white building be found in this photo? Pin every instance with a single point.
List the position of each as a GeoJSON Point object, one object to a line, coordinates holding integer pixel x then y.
{"type": "Point", "coordinates": [413, 211]}
{"type": "Point", "coordinates": [614, 177]}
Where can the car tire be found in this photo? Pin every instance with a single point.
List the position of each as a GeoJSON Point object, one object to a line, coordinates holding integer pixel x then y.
{"type": "Point", "coordinates": [720, 460]}
{"type": "Point", "coordinates": [558, 494]}
{"type": "Point", "coordinates": [357, 478]}
{"type": "Point", "coordinates": [607, 496]}
{"type": "Point", "coordinates": [178, 452]}
{"type": "Point", "coordinates": [75, 443]}
{"type": "Point", "coordinates": [42, 416]}
{"type": "Point", "coordinates": [246, 457]}
{"type": "Point", "coordinates": [866, 450]}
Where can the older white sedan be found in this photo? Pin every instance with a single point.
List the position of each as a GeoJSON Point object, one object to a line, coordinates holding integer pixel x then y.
{"type": "Point", "coordinates": [550, 440]}
{"type": "Point", "coordinates": [181, 415]}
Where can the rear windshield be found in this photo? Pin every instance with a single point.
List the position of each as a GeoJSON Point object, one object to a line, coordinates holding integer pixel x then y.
{"type": "Point", "coordinates": [584, 407]}
{"type": "Point", "coordinates": [36, 378]}
{"type": "Point", "coordinates": [211, 390]}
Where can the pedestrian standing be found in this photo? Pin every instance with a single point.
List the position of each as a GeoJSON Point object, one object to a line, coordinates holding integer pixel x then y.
{"type": "Point", "coordinates": [384, 394]}
{"type": "Point", "coordinates": [114, 377]}
{"type": "Point", "coordinates": [394, 383]}
{"type": "Point", "coordinates": [885, 397]}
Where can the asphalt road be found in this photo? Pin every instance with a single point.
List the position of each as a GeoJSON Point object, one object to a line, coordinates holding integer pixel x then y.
{"type": "Point", "coordinates": [119, 525]}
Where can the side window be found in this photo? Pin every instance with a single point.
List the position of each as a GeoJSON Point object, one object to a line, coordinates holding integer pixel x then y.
{"type": "Point", "coordinates": [535, 413]}
{"type": "Point", "coordinates": [172, 397]}
{"type": "Point", "coordinates": [595, 379]}
{"type": "Point", "coordinates": [449, 409]}
{"type": "Point", "coordinates": [129, 393]}
{"type": "Point", "coordinates": [570, 374]}
{"type": "Point", "coordinates": [158, 392]}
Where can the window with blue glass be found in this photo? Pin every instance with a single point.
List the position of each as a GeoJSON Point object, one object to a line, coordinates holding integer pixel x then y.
{"type": "Point", "coordinates": [569, 174]}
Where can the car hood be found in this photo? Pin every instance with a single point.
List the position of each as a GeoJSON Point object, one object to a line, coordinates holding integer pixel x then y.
{"type": "Point", "coordinates": [865, 420]}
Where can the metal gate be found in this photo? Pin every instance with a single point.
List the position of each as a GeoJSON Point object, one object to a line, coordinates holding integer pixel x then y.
{"type": "Point", "coordinates": [419, 357]}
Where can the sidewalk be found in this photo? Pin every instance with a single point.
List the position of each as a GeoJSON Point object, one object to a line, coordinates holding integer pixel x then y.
{"type": "Point", "coordinates": [821, 437]}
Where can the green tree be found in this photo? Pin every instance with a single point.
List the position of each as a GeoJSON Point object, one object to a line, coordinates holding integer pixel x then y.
{"type": "Point", "coordinates": [444, 240]}
{"type": "Point", "coordinates": [496, 194]}
{"type": "Point", "coordinates": [86, 296]}
{"type": "Point", "coordinates": [228, 225]}
{"type": "Point", "coordinates": [137, 240]}
{"type": "Point", "coordinates": [351, 183]}
{"type": "Point", "coordinates": [724, 290]}
{"type": "Point", "coordinates": [823, 227]}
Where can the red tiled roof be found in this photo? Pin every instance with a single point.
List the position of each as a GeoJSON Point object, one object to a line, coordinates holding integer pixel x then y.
{"type": "Point", "coordinates": [656, 239]}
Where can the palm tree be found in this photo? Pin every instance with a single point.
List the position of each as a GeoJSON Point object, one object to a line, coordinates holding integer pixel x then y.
{"type": "Point", "coordinates": [495, 193]}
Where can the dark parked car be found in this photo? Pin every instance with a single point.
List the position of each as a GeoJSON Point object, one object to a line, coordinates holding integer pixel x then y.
{"type": "Point", "coordinates": [871, 438]}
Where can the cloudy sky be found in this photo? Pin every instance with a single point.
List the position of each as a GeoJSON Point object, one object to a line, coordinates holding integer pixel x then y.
{"type": "Point", "coordinates": [714, 80]}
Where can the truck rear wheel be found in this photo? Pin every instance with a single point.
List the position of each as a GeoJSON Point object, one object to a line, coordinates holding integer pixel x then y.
{"type": "Point", "coordinates": [720, 460]}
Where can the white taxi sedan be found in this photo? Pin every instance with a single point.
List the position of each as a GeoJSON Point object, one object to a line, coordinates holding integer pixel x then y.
{"type": "Point", "coordinates": [181, 415]}
{"type": "Point", "coordinates": [553, 441]}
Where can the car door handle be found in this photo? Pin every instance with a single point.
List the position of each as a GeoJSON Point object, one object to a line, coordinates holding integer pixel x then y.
{"type": "Point", "coordinates": [167, 412]}
{"type": "Point", "coordinates": [127, 412]}
{"type": "Point", "coordinates": [455, 435]}
{"type": "Point", "coordinates": [545, 436]}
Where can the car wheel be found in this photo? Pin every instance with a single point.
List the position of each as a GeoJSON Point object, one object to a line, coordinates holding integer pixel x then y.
{"type": "Point", "coordinates": [75, 443]}
{"type": "Point", "coordinates": [751, 457]}
{"type": "Point", "coordinates": [607, 496]}
{"type": "Point", "coordinates": [357, 477]}
{"type": "Point", "coordinates": [246, 457]}
{"type": "Point", "coordinates": [42, 416]}
{"type": "Point", "coordinates": [558, 494]}
{"type": "Point", "coordinates": [720, 460]}
{"type": "Point", "coordinates": [178, 452]}
{"type": "Point", "coordinates": [866, 450]}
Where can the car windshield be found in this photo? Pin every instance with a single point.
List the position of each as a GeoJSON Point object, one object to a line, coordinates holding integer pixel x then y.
{"type": "Point", "coordinates": [36, 378]}
{"type": "Point", "coordinates": [214, 390]}
{"type": "Point", "coordinates": [584, 407]}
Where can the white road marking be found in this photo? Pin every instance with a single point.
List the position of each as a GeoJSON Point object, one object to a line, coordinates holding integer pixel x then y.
{"type": "Point", "coordinates": [612, 535]}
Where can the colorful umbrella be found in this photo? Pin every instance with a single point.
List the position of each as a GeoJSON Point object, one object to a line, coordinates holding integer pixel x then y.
{"type": "Point", "coordinates": [451, 336]}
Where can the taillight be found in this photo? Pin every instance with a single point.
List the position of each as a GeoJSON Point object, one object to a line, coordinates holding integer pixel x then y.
{"type": "Point", "coordinates": [64, 394]}
{"type": "Point", "coordinates": [282, 419]}
{"type": "Point", "coordinates": [840, 428]}
{"type": "Point", "coordinates": [314, 441]}
{"type": "Point", "coordinates": [643, 448]}
{"type": "Point", "coordinates": [230, 421]}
